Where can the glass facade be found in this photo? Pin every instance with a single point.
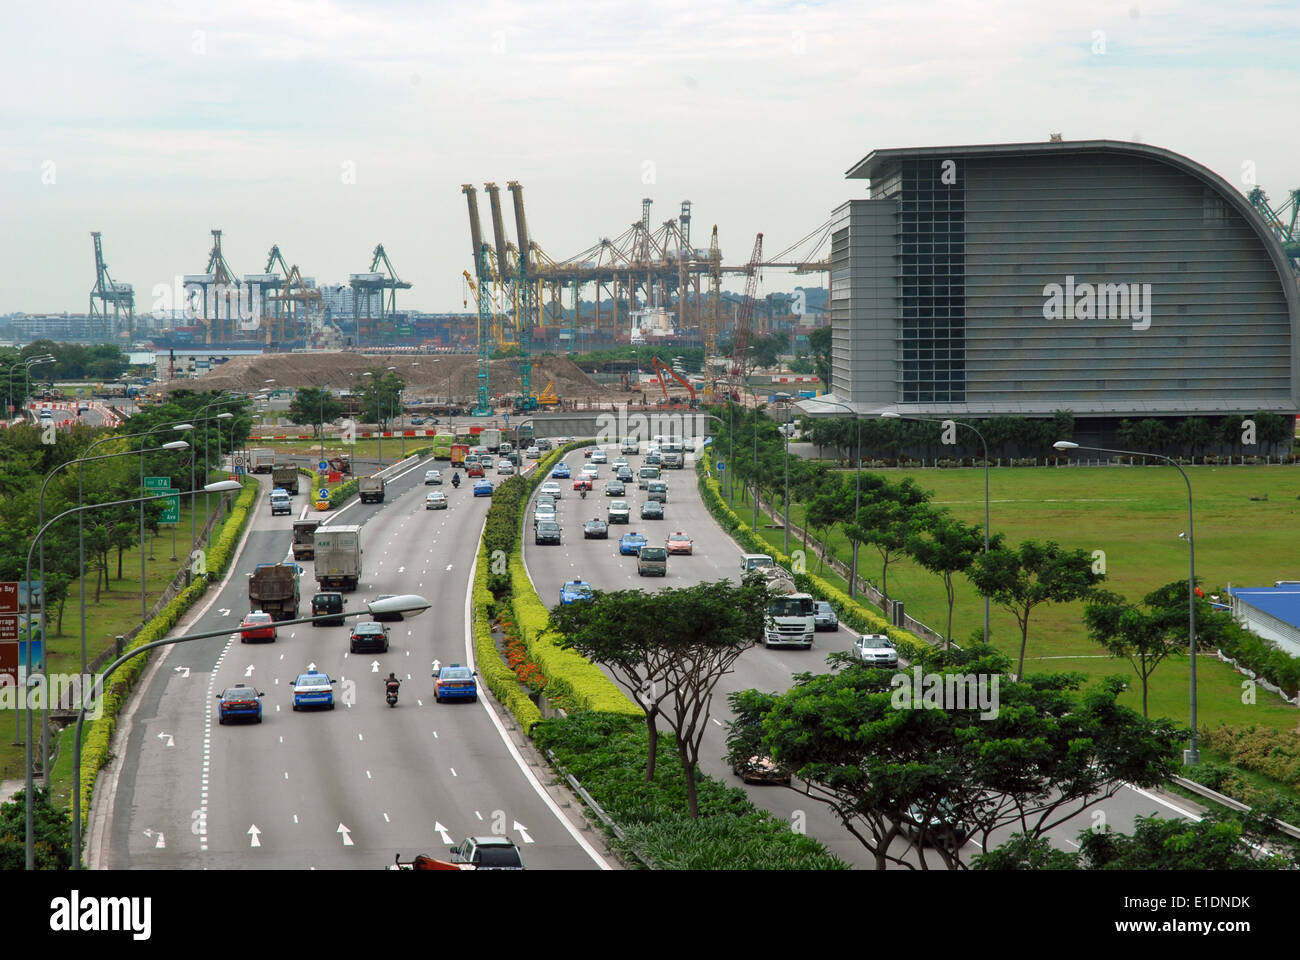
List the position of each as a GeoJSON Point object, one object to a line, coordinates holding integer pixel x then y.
{"type": "Point", "coordinates": [932, 281]}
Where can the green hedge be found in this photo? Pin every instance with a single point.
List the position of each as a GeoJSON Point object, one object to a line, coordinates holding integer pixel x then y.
{"type": "Point", "coordinates": [97, 734]}
{"type": "Point", "coordinates": [500, 679]}
{"type": "Point", "coordinates": [850, 612]}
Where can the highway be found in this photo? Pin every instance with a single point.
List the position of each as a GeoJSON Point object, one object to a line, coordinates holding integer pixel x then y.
{"type": "Point", "coordinates": [343, 789]}
{"type": "Point", "coordinates": [717, 556]}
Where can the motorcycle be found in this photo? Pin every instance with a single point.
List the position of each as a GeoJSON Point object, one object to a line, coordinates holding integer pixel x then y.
{"type": "Point", "coordinates": [391, 696]}
{"type": "Point", "coordinates": [583, 493]}
{"type": "Point", "coordinates": [455, 480]}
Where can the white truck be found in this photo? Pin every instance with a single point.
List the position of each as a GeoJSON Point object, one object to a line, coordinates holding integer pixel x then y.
{"type": "Point", "coordinates": [338, 557]}
{"type": "Point", "coordinates": [791, 620]}
{"type": "Point", "coordinates": [261, 460]}
{"type": "Point", "coordinates": [491, 439]}
{"type": "Point", "coordinates": [371, 489]}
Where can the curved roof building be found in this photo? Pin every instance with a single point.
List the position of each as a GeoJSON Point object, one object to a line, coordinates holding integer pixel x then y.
{"type": "Point", "coordinates": [1105, 278]}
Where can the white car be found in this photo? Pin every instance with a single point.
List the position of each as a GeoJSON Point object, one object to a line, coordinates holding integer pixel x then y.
{"type": "Point", "coordinates": [599, 456]}
{"type": "Point", "coordinates": [590, 470]}
{"type": "Point", "coordinates": [532, 453]}
{"type": "Point", "coordinates": [432, 476]}
{"type": "Point", "coordinates": [620, 462]}
{"type": "Point", "coordinates": [553, 488]}
{"type": "Point", "coordinates": [505, 468]}
{"type": "Point", "coordinates": [875, 650]}
{"type": "Point", "coordinates": [619, 512]}
{"type": "Point", "coordinates": [543, 511]}
{"type": "Point", "coordinates": [437, 500]}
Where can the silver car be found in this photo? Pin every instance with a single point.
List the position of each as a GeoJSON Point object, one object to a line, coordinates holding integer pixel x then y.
{"type": "Point", "coordinates": [824, 617]}
{"type": "Point", "coordinates": [876, 650]}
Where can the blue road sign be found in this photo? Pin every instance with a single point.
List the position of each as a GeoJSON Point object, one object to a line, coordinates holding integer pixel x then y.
{"type": "Point", "coordinates": [322, 466]}
{"type": "Point", "coordinates": [722, 465]}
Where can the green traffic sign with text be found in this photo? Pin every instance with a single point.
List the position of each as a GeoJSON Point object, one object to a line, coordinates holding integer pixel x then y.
{"type": "Point", "coordinates": [172, 510]}
{"type": "Point", "coordinates": [157, 483]}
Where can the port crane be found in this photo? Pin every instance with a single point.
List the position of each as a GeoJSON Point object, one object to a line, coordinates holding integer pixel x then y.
{"type": "Point", "coordinates": [745, 320]}
{"type": "Point", "coordinates": [119, 295]}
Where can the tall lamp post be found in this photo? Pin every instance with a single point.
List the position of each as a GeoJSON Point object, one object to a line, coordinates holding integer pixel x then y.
{"type": "Point", "coordinates": [26, 365]}
{"type": "Point", "coordinates": [40, 534]}
{"type": "Point", "coordinates": [890, 415]}
{"type": "Point", "coordinates": [857, 488]}
{"type": "Point", "coordinates": [1192, 755]}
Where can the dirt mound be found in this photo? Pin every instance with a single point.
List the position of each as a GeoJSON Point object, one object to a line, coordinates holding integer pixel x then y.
{"type": "Point", "coordinates": [426, 375]}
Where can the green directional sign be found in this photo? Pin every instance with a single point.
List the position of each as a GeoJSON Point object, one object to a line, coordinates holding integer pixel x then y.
{"type": "Point", "coordinates": [172, 511]}
{"type": "Point", "coordinates": [157, 483]}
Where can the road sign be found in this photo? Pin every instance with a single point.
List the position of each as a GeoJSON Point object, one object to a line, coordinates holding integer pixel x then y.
{"type": "Point", "coordinates": [722, 465]}
{"type": "Point", "coordinates": [157, 483]}
{"type": "Point", "coordinates": [239, 461]}
{"type": "Point", "coordinates": [172, 509]}
{"type": "Point", "coordinates": [239, 470]}
{"type": "Point", "coordinates": [322, 466]}
{"type": "Point", "coordinates": [9, 596]}
{"type": "Point", "coordinates": [9, 628]}
{"type": "Point", "coordinates": [9, 663]}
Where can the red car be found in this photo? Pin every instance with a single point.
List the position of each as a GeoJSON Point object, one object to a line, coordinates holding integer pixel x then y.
{"type": "Point", "coordinates": [257, 626]}
{"type": "Point", "coordinates": [582, 483]}
{"type": "Point", "coordinates": [679, 543]}
{"type": "Point", "coordinates": [474, 470]}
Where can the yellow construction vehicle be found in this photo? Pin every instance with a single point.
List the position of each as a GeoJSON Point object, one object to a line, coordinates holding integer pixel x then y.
{"type": "Point", "coordinates": [548, 397]}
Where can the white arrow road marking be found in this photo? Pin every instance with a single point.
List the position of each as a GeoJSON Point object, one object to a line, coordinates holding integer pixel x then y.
{"type": "Point", "coordinates": [368, 776]}
{"type": "Point", "coordinates": [374, 666]}
{"type": "Point", "coordinates": [311, 666]}
{"type": "Point", "coordinates": [435, 665]}
{"type": "Point", "coordinates": [359, 737]}
{"type": "Point", "coordinates": [183, 671]}
{"type": "Point", "coordinates": [386, 820]}
{"type": "Point", "coordinates": [420, 703]}
{"type": "Point", "coordinates": [446, 837]}
{"type": "Point", "coordinates": [401, 569]}
{"type": "Point", "coordinates": [295, 818]}
{"type": "Point", "coordinates": [248, 670]}
{"type": "Point", "coordinates": [453, 771]}
{"type": "Point", "coordinates": [224, 612]}
{"type": "Point", "coordinates": [477, 814]}
{"type": "Point", "coordinates": [449, 566]}
{"type": "Point", "coordinates": [435, 736]}
{"type": "Point", "coordinates": [523, 831]}
{"type": "Point", "coordinates": [347, 840]}
{"type": "Point", "coordinates": [168, 737]}
{"type": "Point", "coordinates": [253, 832]}
{"type": "Point", "coordinates": [715, 720]}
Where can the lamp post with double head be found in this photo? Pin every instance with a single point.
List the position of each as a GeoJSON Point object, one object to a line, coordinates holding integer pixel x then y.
{"type": "Point", "coordinates": [891, 415]}
{"type": "Point", "coordinates": [1192, 755]}
{"type": "Point", "coordinates": [40, 534]}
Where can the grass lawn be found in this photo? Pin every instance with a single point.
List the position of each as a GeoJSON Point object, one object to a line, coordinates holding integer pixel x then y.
{"type": "Point", "coordinates": [1134, 515]}
{"type": "Point", "coordinates": [117, 612]}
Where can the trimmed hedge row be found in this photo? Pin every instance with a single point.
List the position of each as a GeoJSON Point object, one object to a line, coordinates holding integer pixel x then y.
{"type": "Point", "coordinates": [98, 733]}
{"type": "Point", "coordinates": [850, 612]}
{"type": "Point", "coordinates": [500, 679]}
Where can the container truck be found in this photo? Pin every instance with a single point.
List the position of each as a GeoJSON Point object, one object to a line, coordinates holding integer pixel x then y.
{"type": "Point", "coordinates": [371, 489]}
{"type": "Point", "coordinates": [261, 460]}
{"type": "Point", "coordinates": [285, 476]}
{"type": "Point", "coordinates": [459, 451]}
{"type": "Point", "coordinates": [273, 587]}
{"type": "Point", "coordinates": [304, 539]}
{"type": "Point", "coordinates": [338, 557]}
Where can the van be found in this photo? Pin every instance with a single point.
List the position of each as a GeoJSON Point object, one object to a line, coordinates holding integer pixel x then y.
{"type": "Point", "coordinates": [327, 603]}
{"type": "Point", "coordinates": [652, 561]}
{"type": "Point", "coordinates": [657, 490]}
{"type": "Point", "coordinates": [645, 475]}
{"type": "Point", "coordinates": [630, 445]}
{"type": "Point", "coordinates": [280, 502]}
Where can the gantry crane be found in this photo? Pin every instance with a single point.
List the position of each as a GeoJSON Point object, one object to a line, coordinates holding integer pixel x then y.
{"type": "Point", "coordinates": [711, 317]}
{"type": "Point", "coordinates": [107, 292]}
{"type": "Point", "coordinates": [526, 400]}
{"type": "Point", "coordinates": [223, 278]}
{"type": "Point", "coordinates": [745, 320]}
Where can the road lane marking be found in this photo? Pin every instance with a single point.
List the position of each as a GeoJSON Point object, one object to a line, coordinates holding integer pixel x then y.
{"type": "Point", "coordinates": [453, 771]}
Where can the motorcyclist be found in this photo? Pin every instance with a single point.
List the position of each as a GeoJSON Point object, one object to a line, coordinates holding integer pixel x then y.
{"type": "Point", "coordinates": [582, 492]}
{"type": "Point", "coordinates": [391, 684]}
{"type": "Point", "coordinates": [455, 479]}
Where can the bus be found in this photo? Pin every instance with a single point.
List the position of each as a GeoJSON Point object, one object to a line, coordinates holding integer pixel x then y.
{"type": "Point", "coordinates": [442, 446]}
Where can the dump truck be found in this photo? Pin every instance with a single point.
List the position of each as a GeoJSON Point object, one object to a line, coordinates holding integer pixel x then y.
{"type": "Point", "coordinates": [371, 489]}
{"type": "Point", "coordinates": [304, 539]}
{"type": "Point", "coordinates": [261, 460]}
{"type": "Point", "coordinates": [273, 587]}
{"type": "Point", "coordinates": [285, 476]}
{"type": "Point", "coordinates": [338, 557]}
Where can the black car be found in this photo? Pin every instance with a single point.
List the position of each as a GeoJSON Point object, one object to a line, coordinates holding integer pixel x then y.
{"type": "Point", "coordinates": [652, 510]}
{"type": "Point", "coordinates": [548, 531]}
{"type": "Point", "coordinates": [596, 529]}
{"type": "Point", "coordinates": [326, 603]}
{"type": "Point", "coordinates": [369, 636]}
{"type": "Point", "coordinates": [239, 702]}
{"type": "Point", "coordinates": [489, 853]}
{"type": "Point", "coordinates": [395, 615]}
{"type": "Point", "coordinates": [625, 474]}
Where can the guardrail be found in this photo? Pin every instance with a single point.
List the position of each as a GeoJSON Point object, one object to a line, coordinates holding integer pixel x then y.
{"type": "Point", "coordinates": [599, 811]}
{"type": "Point", "coordinates": [1231, 804]}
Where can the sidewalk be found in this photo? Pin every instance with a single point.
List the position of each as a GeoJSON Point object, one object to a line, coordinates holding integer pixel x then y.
{"type": "Point", "coordinates": [9, 787]}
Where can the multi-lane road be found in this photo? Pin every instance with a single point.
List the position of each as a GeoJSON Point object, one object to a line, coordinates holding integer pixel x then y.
{"type": "Point", "coordinates": [717, 556]}
{"type": "Point", "coordinates": [347, 788]}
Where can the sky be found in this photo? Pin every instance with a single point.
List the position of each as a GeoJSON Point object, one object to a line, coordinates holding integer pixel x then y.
{"type": "Point", "coordinates": [328, 127]}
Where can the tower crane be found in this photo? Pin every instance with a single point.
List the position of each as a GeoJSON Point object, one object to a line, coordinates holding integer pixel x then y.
{"type": "Point", "coordinates": [745, 320]}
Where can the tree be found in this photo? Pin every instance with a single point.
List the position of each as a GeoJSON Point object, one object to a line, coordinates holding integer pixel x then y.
{"type": "Point", "coordinates": [1144, 638]}
{"type": "Point", "coordinates": [316, 406]}
{"type": "Point", "coordinates": [890, 514]}
{"type": "Point", "coordinates": [616, 630]}
{"type": "Point", "coordinates": [1019, 580]}
{"type": "Point", "coordinates": [1043, 754]}
{"type": "Point", "coordinates": [1218, 842]}
{"type": "Point", "coordinates": [380, 396]}
{"type": "Point", "coordinates": [819, 344]}
{"type": "Point", "coordinates": [945, 545]}
{"type": "Point", "coordinates": [52, 842]}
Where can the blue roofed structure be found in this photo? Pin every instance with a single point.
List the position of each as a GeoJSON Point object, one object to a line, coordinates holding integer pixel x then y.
{"type": "Point", "coordinates": [1271, 612]}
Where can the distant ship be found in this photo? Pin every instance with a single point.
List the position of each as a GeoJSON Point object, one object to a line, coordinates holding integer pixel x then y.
{"type": "Point", "coordinates": [651, 323]}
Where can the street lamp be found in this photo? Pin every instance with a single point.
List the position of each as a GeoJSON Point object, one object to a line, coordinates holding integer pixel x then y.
{"type": "Point", "coordinates": [30, 800]}
{"type": "Point", "coordinates": [857, 489]}
{"type": "Point", "coordinates": [407, 604]}
{"type": "Point", "coordinates": [1192, 755]}
{"type": "Point", "coordinates": [26, 365]}
{"type": "Point", "coordinates": [890, 415]}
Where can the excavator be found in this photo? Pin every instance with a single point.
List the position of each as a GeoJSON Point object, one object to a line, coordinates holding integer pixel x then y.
{"type": "Point", "coordinates": [548, 397]}
{"type": "Point", "coordinates": [661, 368]}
